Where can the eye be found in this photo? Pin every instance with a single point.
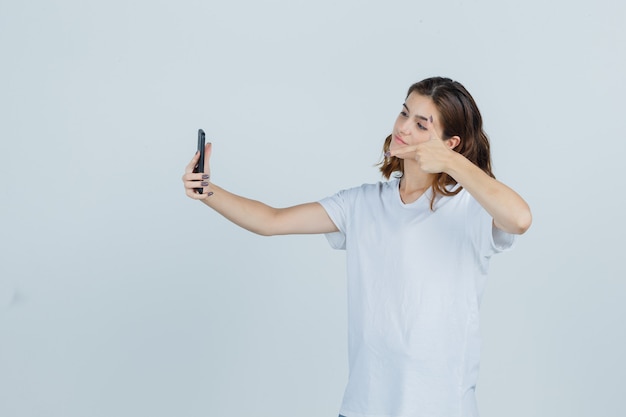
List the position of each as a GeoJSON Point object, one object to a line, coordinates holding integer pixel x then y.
{"type": "Point", "coordinates": [403, 113]}
{"type": "Point", "coordinates": [421, 126]}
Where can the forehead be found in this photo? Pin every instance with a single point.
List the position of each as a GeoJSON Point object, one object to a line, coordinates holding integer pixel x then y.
{"type": "Point", "coordinates": [419, 103]}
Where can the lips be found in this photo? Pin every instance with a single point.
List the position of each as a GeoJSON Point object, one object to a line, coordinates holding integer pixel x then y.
{"type": "Point", "coordinates": [398, 140]}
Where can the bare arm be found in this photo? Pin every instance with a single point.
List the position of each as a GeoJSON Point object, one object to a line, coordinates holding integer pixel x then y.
{"type": "Point", "coordinates": [253, 215]}
{"type": "Point", "coordinates": [509, 211]}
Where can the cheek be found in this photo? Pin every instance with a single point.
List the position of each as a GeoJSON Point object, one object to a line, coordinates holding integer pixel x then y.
{"type": "Point", "coordinates": [425, 135]}
{"type": "Point", "coordinates": [422, 136]}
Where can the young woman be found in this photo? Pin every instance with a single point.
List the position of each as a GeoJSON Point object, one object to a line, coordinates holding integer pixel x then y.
{"type": "Point", "coordinates": [418, 247]}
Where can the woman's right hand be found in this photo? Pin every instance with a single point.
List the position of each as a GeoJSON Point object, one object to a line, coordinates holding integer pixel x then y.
{"type": "Point", "coordinates": [198, 180]}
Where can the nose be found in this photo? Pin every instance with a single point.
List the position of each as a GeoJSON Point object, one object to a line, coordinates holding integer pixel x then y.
{"type": "Point", "coordinates": [405, 126]}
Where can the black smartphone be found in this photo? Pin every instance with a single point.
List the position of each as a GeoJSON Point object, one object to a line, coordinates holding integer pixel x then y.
{"type": "Point", "coordinates": [200, 166]}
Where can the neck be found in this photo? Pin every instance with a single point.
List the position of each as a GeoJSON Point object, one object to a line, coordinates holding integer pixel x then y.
{"type": "Point", "coordinates": [414, 179]}
{"type": "Point", "coordinates": [413, 186]}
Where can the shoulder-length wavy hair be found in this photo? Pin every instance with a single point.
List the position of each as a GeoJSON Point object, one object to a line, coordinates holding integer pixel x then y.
{"type": "Point", "coordinates": [459, 116]}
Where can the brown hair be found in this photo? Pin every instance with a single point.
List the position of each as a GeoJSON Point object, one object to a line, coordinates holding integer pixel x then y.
{"type": "Point", "coordinates": [459, 117]}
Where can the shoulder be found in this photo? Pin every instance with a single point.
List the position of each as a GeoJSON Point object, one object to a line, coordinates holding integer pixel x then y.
{"type": "Point", "coordinates": [365, 193]}
{"type": "Point", "coordinates": [373, 188]}
{"type": "Point", "coordinates": [370, 192]}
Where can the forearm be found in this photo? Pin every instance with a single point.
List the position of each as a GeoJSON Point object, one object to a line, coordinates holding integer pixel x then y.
{"type": "Point", "coordinates": [257, 217]}
{"type": "Point", "coordinates": [250, 214]}
{"type": "Point", "coordinates": [508, 209]}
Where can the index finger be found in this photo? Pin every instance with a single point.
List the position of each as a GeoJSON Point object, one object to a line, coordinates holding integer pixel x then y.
{"type": "Point", "coordinates": [430, 125]}
{"type": "Point", "coordinates": [402, 152]}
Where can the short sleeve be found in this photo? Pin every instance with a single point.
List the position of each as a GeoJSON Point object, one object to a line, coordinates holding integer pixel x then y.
{"type": "Point", "coordinates": [335, 206]}
{"type": "Point", "coordinates": [501, 240]}
{"type": "Point", "coordinates": [487, 237]}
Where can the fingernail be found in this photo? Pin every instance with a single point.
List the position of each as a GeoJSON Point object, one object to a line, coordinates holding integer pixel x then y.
{"type": "Point", "coordinates": [431, 118]}
{"type": "Point", "coordinates": [210, 194]}
{"type": "Point", "coordinates": [204, 183]}
{"type": "Point", "coordinates": [387, 154]}
{"type": "Point", "coordinates": [205, 177]}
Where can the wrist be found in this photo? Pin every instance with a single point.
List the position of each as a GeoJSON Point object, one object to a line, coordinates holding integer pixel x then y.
{"type": "Point", "coordinates": [454, 163]}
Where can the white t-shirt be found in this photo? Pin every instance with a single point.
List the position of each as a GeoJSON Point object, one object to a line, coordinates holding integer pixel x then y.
{"type": "Point", "coordinates": [415, 281]}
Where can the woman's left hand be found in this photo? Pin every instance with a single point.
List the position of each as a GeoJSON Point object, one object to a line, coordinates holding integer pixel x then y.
{"type": "Point", "coordinates": [432, 156]}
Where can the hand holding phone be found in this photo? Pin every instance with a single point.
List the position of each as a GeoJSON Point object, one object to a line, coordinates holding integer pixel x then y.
{"type": "Point", "coordinates": [200, 166]}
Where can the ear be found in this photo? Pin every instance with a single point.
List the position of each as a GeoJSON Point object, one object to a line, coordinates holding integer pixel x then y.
{"type": "Point", "coordinates": [453, 142]}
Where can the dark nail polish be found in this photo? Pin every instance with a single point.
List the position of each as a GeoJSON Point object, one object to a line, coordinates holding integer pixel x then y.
{"type": "Point", "coordinates": [205, 177]}
{"type": "Point", "coordinates": [431, 118]}
{"type": "Point", "coordinates": [387, 154]}
{"type": "Point", "coordinates": [204, 183]}
{"type": "Point", "coordinates": [210, 193]}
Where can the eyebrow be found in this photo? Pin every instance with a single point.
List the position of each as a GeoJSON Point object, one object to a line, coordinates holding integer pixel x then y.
{"type": "Point", "coordinates": [417, 116]}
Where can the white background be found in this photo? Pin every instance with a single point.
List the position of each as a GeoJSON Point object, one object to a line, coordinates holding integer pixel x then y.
{"type": "Point", "coordinates": [119, 296]}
